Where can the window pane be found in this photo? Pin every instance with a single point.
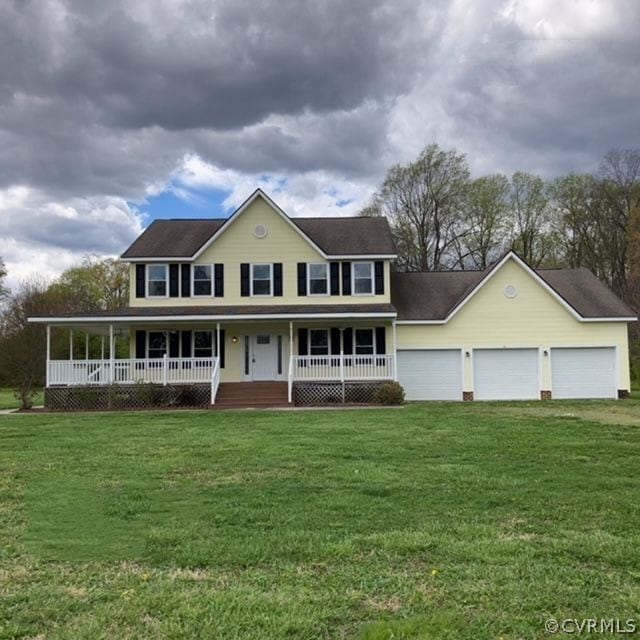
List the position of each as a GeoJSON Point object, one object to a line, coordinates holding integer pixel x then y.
{"type": "Point", "coordinates": [157, 272]}
{"type": "Point", "coordinates": [362, 269]}
{"type": "Point", "coordinates": [263, 339]}
{"type": "Point", "coordinates": [317, 286]}
{"type": "Point", "coordinates": [202, 287]}
{"type": "Point", "coordinates": [364, 341]}
{"type": "Point", "coordinates": [261, 287]}
{"type": "Point", "coordinates": [319, 342]}
{"type": "Point", "coordinates": [157, 344]}
{"type": "Point", "coordinates": [362, 286]}
{"type": "Point", "coordinates": [157, 288]}
{"type": "Point", "coordinates": [318, 271]}
{"type": "Point", "coordinates": [261, 272]}
{"type": "Point", "coordinates": [202, 344]}
{"type": "Point", "coordinates": [202, 272]}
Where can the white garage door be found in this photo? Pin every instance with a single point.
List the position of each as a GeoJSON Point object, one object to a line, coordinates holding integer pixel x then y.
{"type": "Point", "coordinates": [431, 374]}
{"type": "Point", "coordinates": [505, 374]}
{"type": "Point", "coordinates": [588, 372]}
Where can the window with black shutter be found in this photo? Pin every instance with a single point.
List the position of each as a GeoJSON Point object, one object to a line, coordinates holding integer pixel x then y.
{"type": "Point", "coordinates": [346, 278]}
{"type": "Point", "coordinates": [277, 279]}
{"type": "Point", "coordinates": [140, 281]}
{"type": "Point", "coordinates": [334, 277]}
{"type": "Point", "coordinates": [302, 278]}
{"type": "Point", "coordinates": [219, 280]}
{"type": "Point", "coordinates": [379, 277]}
{"type": "Point", "coordinates": [245, 286]}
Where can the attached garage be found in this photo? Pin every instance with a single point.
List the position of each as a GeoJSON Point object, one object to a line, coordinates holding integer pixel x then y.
{"type": "Point", "coordinates": [583, 372]}
{"type": "Point", "coordinates": [506, 374]}
{"type": "Point", "coordinates": [431, 374]}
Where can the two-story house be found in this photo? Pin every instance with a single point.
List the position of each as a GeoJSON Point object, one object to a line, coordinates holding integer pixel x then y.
{"type": "Point", "coordinates": [261, 308]}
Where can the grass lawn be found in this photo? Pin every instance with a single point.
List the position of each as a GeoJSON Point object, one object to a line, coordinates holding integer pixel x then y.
{"type": "Point", "coordinates": [9, 401]}
{"type": "Point", "coordinates": [465, 521]}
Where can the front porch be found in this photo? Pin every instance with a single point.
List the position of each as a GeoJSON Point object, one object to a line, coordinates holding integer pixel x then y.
{"type": "Point", "coordinates": [313, 360]}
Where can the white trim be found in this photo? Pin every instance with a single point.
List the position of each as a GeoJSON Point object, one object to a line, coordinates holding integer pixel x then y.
{"type": "Point", "coordinates": [327, 279]}
{"type": "Point", "coordinates": [251, 279]}
{"type": "Point", "coordinates": [372, 278]}
{"type": "Point", "coordinates": [147, 280]}
{"type": "Point", "coordinates": [193, 280]}
{"type": "Point", "coordinates": [197, 318]}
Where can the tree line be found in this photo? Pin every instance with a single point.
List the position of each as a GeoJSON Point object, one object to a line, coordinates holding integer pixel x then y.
{"type": "Point", "coordinates": [442, 218]}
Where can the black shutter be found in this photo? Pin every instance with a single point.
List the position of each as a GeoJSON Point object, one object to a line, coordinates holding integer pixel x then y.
{"type": "Point", "coordinates": [223, 350]}
{"type": "Point", "coordinates": [334, 347]}
{"type": "Point", "coordinates": [141, 344]}
{"type": "Point", "coordinates": [186, 280]}
{"type": "Point", "coordinates": [302, 342]}
{"type": "Point", "coordinates": [140, 280]}
{"type": "Point", "coordinates": [334, 268]}
{"type": "Point", "coordinates": [277, 278]}
{"type": "Point", "coordinates": [379, 273]}
{"type": "Point", "coordinates": [218, 270]}
{"type": "Point", "coordinates": [302, 278]}
{"type": "Point", "coordinates": [174, 280]}
{"type": "Point", "coordinates": [381, 334]}
{"type": "Point", "coordinates": [346, 278]}
{"type": "Point", "coordinates": [186, 344]}
{"type": "Point", "coordinates": [174, 344]}
{"type": "Point", "coordinates": [244, 279]}
{"type": "Point", "coordinates": [347, 340]}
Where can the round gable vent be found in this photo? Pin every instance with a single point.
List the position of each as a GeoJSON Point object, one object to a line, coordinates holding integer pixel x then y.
{"type": "Point", "coordinates": [260, 231]}
{"type": "Point", "coordinates": [510, 291]}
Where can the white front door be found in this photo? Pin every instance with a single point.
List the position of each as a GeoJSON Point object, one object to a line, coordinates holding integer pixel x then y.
{"type": "Point", "coordinates": [264, 357]}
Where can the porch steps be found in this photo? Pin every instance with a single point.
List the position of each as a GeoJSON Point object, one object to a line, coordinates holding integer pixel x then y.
{"type": "Point", "coordinates": [251, 395]}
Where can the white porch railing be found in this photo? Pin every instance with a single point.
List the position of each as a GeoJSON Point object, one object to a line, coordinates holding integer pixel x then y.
{"type": "Point", "coordinates": [134, 370]}
{"type": "Point", "coordinates": [340, 368]}
{"type": "Point", "coordinates": [215, 380]}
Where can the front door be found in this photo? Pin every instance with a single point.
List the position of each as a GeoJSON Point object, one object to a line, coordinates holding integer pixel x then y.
{"type": "Point", "coordinates": [264, 357]}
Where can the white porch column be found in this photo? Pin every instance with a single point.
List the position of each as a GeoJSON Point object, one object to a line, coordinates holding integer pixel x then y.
{"type": "Point", "coordinates": [101, 348]}
{"type": "Point", "coordinates": [111, 350]}
{"type": "Point", "coordinates": [395, 352]}
{"type": "Point", "coordinates": [218, 340]}
{"type": "Point", "coordinates": [86, 346]}
{"type": "Point", "coordinates": [290, 371]}
{"type": "Point", "coordinates": [70, 344]}
{"type": "Point", "coordinates": [48, 354]}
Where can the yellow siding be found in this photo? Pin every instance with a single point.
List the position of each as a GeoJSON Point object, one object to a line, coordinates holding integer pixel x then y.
{"type": "Point", "coordinates": [238, 244]}
{"type": "Point", "coordinates": [534, 318]}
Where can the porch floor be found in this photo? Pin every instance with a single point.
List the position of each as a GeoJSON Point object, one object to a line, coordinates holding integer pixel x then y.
{"type": "Point", "coordinates": [249, 395]}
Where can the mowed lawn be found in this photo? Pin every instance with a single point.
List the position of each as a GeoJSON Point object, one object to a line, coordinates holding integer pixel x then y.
{"type": "Point", "coordinates": [432, 521]}
{"type": "Point", "coordinates": [8, 399]}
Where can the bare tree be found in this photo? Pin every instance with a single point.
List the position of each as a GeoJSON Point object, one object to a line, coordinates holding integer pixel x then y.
{"type": "Point", "coordinates": [422, 201]}
{"type": "Point", "coordinates": [4, 292]}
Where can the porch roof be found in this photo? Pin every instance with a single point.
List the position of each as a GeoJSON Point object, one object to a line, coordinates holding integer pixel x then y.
{"type": "Point", "coordinates": [219, 313]}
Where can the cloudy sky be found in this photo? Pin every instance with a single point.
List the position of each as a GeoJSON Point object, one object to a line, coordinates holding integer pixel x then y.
{"type": "Point", "coordinates": [114, 113]}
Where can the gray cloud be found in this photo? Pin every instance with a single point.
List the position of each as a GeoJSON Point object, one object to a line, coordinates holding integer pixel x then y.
{"type": "Point", "coordinates": [101, 100]}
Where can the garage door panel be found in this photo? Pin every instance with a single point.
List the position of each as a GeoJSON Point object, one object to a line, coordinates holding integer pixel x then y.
{"type": "Point", "coordinates": [583, 372]}
{"type": "Point", "coordinates": [506, 374]}
{"type": "Point", "coordinates": [431, 374]}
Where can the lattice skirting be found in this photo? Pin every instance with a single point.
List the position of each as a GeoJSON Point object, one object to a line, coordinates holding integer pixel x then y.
{"type": "Point", "coordinates": [315, 393]}
{"type": "Point", "coordinates": [135, 396]}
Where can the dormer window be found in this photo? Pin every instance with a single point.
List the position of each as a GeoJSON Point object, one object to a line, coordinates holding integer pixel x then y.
{"type": "Point", "coordinates": [362, 274]}
{"type": "Point", "coordinates": [318, 279]}
{"type": "Point", "coordinates": [157, 280]}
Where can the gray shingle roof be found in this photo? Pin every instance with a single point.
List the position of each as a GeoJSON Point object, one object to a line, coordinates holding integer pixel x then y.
{"type": "Point", "coordinates": [434, 295]}
{"type": "Point", "coordinates": [181, 238]}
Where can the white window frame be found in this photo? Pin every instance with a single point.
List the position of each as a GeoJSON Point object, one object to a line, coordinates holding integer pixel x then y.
{"type": "Point", "coordinates": [166, 279]}
{"type": "Point", "coordinates": [261, 295]}
{"type": "Point", "coordinates": [193, 343]}
{"type": "Point", "coordinates": [319, 355]}
{"type": "Point", "coordinates": [326, 277]}
{"type": "Point", "coordinates": [374, 343]}
{"type": "Point", "coordinates": [148, 345]}
{"type": "Point", "coordinates": [372, 278]}
{"type": "Point", "coordinates": [193, 280]}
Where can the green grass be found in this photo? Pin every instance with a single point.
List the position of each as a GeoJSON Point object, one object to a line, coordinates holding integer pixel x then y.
{"type": "Point", "coordinates": [465, 521]}
{"type": "Point", "coordinates": [9, 401]}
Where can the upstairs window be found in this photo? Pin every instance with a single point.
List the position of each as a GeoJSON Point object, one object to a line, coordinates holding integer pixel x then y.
{"type": "Point", "coordinates": [202, 280]}
{"type": "Point", "coordinates": [318, 342]}
{"type": "Point", "coordinates": [157, 280]}
{"type": "Point", "coordinates": [318, 275]}
{"type": "Point", "coordinates": [362, 275]}
{"type": "Point", "coordinates": [261, 279]}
